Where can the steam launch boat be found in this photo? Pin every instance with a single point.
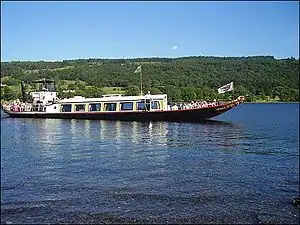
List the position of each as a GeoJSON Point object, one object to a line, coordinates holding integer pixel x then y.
{"type": "Point", "coordinates": [43, 103]}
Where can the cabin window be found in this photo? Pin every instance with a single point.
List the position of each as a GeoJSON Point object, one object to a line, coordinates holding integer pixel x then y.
{"type": "Point", "coordinates": [110, 106]}
{"type": "Point", "coordinates": [126, 106]}
{"type": "Point", "coordinates": [79, 107]}
{"type": "Point", "coordinates": [66, 108]}
{"type": "Point", "coordinates": [155, 105]}
{"type": "Point", "coordinates": [95, 107]}
{"type": "Point", "coordinates": [140, 106]}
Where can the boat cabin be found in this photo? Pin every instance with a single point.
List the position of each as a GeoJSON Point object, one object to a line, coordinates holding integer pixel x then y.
{"type": "Point", "coordinates": [45, 92]}
{"type": "Point", "coordinates": [111, 103]}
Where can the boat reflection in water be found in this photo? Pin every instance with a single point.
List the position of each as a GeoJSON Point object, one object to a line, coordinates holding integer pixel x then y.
{"type": "Point", "coordinates": [134, 132]}
{"type": "Point", "coordinates": [89, 139]}
{"type": "Point", "coordinates": [102, 135]}
{"type": "Point", "coordinates": [77, 140]}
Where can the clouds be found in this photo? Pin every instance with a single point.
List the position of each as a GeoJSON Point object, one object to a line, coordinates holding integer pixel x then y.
{"type": "Point", "coordinates": [174, 47]}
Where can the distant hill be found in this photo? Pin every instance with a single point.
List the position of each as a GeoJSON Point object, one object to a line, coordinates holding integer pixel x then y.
{"type": "Point", "coordinates": [260, 78]}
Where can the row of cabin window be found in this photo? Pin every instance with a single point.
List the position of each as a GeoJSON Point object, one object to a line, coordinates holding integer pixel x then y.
{"type": "Point", "coordinates": [110, 106]}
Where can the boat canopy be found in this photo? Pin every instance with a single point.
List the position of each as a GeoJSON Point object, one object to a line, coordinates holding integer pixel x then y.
{"type": "Point", "coordinates": [114, 98]}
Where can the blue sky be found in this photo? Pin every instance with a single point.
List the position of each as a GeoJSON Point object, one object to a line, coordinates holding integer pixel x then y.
{"type": "Point", "coordinates": [72, 30]}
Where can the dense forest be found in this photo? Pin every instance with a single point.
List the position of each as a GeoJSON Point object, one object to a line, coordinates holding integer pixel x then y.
{"type": "Point", "coordinates": [259, 78]}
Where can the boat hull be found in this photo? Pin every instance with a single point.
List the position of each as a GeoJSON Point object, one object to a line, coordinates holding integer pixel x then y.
{"type": "Point", "coordinates": [198, 114]}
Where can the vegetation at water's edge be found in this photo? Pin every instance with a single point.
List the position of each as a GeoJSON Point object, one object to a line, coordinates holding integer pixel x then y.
{"type": "Point", "coordinates": [259, 78]}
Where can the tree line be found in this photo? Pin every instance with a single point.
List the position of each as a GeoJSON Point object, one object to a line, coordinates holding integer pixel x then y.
{"type": "Point", "coordinates": [259, 78]}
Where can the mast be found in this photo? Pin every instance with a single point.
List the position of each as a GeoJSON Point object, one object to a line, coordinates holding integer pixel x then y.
{"type": "Point", "coordinates": [141, 80]}
{"type": "Point", "coordinates": [24, 96]}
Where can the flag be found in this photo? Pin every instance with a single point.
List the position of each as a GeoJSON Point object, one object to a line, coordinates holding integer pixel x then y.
{"type": "Point", "coordinates": [138, 69]}
{"type": "Point", "coordinates": [225, 88]}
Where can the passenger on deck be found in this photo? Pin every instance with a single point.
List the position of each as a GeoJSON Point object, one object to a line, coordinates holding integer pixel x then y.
{"type": "Point", "coordinates": [174, 107]}
{"type": "Point", "coordinates": [23, 106]}
{"type": "Point", "coordinates": [15, 106]}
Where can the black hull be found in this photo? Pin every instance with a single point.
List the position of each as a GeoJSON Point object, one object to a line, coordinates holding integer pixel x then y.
{"type": "Point", "coordinates": [189, 115]}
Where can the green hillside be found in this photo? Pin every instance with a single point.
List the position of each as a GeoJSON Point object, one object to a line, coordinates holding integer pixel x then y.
{"type": "Point", "coordinates": [260, 78]}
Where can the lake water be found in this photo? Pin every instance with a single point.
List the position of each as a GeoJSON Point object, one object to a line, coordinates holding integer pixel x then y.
{"type": "Point", "coordinates": [241, 168]}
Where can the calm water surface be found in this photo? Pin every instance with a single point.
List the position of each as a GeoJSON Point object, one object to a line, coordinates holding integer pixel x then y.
{"type": "Point", "coordinates": [241, 168]}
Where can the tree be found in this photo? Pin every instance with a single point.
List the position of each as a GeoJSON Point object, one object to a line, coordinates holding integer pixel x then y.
{"type": "Point", "coordinates": [7, 94]}
{"type": "Point", "coordinates": [188, 94]}
{"type": "Point", "coordinates": [174, 94]}
{"type": "Point", "coordinates": [93, 92]}
{"type": "Point", "coordinates": [132, 90]}
{"type": "Point", "coordinates": [72, 86]}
